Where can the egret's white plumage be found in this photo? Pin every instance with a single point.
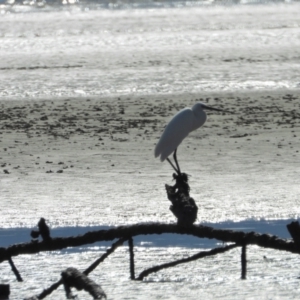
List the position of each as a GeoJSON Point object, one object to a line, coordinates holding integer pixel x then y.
{"type": "Point", "coordinates": [184, 122]}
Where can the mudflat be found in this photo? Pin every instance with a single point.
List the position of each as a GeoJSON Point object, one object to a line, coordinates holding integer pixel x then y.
{"type": "Point", "coordinates": [73, 159]}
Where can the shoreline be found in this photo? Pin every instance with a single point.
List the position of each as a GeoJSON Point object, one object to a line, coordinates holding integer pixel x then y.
{"type": "Point", "coordinates": [133, 96]}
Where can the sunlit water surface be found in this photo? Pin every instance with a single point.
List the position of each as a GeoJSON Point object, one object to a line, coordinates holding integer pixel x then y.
{"type": "Point", "coordinates": [78, 50]}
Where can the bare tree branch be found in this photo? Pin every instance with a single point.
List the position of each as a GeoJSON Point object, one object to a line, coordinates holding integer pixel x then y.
{"type": "Point", "coordinates": [15, 270]}
{"type": "Point", "coordinates": [54, 286]}
{"type": "Point", "coordinates": [109, 251]}
{"type": "Point", "coordinates": [185, 260]}
{"type": "Point", "coordinates": [131, 260]}
{"type": "Point", "coordinates": [240, 238]}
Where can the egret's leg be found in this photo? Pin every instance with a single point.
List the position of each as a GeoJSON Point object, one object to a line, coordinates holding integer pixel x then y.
{"type": "Point", "coordinates": [176, 162]}
{"type": "Point", "coordinates": [172, 165]}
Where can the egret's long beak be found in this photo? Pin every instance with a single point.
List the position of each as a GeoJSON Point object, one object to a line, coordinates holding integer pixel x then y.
{"type": "Point", "coordinates": [217, 109]}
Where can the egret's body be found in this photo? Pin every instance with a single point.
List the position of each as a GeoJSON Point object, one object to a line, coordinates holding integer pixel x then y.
{"type": "Point", "coordinates": [184, 122]}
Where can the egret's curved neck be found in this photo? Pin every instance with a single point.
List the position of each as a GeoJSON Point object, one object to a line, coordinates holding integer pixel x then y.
{"type": "Point", "coordinates": [200, 118]}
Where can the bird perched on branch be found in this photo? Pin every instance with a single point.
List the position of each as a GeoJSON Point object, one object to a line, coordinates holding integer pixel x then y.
{"type": "Point", "coordinates": [184, 122]}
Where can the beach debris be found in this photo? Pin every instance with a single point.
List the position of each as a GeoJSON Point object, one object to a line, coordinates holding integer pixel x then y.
{"type": "Point", "coordinates": [289, 97]}
{"type": "Point", "coordinates": [239, 135]}
{"type": "Point", "coordinates": [74, 278]}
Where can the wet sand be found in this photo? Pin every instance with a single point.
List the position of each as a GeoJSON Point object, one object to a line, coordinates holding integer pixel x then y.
{"type": "Point", "coordinates": [98, 152]}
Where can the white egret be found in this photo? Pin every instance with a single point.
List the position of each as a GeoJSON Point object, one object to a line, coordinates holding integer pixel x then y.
{"type": "Point", "coordinates": [184, 122]}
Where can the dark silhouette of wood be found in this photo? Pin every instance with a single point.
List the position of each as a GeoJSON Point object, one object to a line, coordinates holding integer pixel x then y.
{"type": "Point", "coordinates": [109, 251]}
{"type": "Point", "coordinates": [15, 270]}
{"type": "Point", "coordinates": [244, 262]}
{"type": "Point", "coordinates": [131, 254]}
{"type": "Point", "coordinates": [294, 230]}
{"type": "Point", "coordinates": [238, 237]}
{"type": "Point", "coordinates": [44, 231]}
{"type": "Point", "coordinates": [54, 286]}
{"type": "Point", "coordinates": [4, 291]}
{"type": "Point", "coordinates": [185, 260]}
{"type": "Point", "coordinates": [47, 291]}
{"type": "Point", "coordinates": [183, 206]}
{"type": "Point", "coordinates": [74, 278]}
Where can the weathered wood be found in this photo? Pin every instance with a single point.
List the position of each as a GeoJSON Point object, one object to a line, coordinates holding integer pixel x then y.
{"type": "Point", "coordinates": [238, 237]}
{"type": "Point", "coordinates": [54, 286]}
{"type": "Point", "coordinates": [183, 206]}
{"type": "Point", "coordinates": [74, 278]}
{"type": "Point", "coordinates": [47, 291]}
{"type": "Point", "coordinates": [4, 291]}
{"type": "Point", "coordinates": [131, 259]}
{"type": "Point", "coordinates": [244, 262]}
{"type": "Point", "coordinates": [15, 270]}
{"type": "Point", "coordinates": [109, 251]}
{"type": "Point", "coordinates": [185, 260]}
{"type": "Point", "coordinates": [294, 230]}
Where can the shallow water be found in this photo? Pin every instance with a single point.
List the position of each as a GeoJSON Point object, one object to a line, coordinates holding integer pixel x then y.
{"type": "Point", "coordinates": [78, 51]}
{"type": "Point", "coordinates": [149, 51]}
{"type": "Point", "coordinates": [270, 275]}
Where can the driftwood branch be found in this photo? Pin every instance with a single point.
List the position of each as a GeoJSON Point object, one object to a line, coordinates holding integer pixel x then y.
{"type": "Point", "coordinates": [109, 251]}
{"type": "Point", "coordinates": [238, 237]}
{"type": "Point", "coordinates": [73, 278]}
{"type": "Point", "coordinates": [54, 286]}
{"type": "Point", "coordinates": [47, 291]}
{"type": "Point", "coordinates": [127, 232]}
{"type": "Point", "coordinates": [183, 206]}
{"type": "Point", "coordinates": [244, 262]}
{"type": "Point", "coordinates": [185, 260]}
{"type": "Point", "coordinates": [131, 253]}
{"type": "Point", "coordinates": [4, 291]}
{"type": "Point", "coordinates": [15, 270]}
{"type": "Point", "coordinates": [294, 230]}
